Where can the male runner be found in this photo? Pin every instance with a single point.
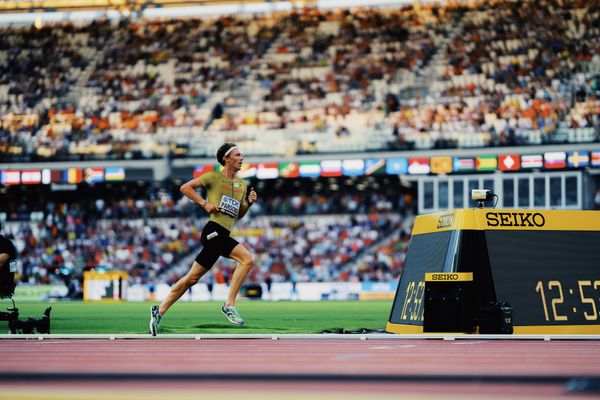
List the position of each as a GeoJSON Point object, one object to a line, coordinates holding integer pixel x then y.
{"type": "Point", "coordinates": [225, 202]}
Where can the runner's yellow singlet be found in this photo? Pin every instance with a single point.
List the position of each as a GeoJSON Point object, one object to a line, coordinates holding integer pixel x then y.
{"type": "Point", "coordinates": [227, 194]}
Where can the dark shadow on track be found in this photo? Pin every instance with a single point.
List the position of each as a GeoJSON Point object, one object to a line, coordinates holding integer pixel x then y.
{"type": "Point", "coordinates": [572, 384]}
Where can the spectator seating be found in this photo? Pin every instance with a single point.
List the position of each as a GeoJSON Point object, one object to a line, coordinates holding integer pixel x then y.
{"type": "Point", "coordinates": [314, 81]}
{"type": "Point", "coordinates": [148, 238]}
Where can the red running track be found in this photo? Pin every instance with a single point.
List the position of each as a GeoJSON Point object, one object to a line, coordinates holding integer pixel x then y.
{"type": "Point", "coordinates": [478, 365]}
{"type": "Point", "coordinates": [262, 356]}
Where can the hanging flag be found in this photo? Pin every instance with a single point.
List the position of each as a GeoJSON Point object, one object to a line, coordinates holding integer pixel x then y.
{"type": "Point", "coordinates": [46, 176]}
{"type": "Point", "coordinates": [396, 166]}
{"type": "Point", "coordinates": [247, 171]}
{"type": "Point", "coordinates": [464, 164]}
{"type": "Point", "coordinates": [59, 176]}
{"type": "Point", "coordinates": [441, 165]}
{"type": "Point", "coordinates": [114, 173]}
{"type": "Point", "coordinates": [595, 158]}
{"type": "Point", "coordinates": [31, 177]}
{"type": "Point", "coordinates": [267, 171]}
{"type": "Point", "coordinates": [375, 166]}
{"type": "Point", "coordinates": [530, 161]}
{"type": "Point", "coordinates": [203, 169]}
{"type": "Point", "coordinates": [578, 159]}
{"type": "Point", "coordinates": [308, 169]}
{"type": "Point", "coordinates": [353, 167]}
{"type": "Point", "coordinates": [555, 160]}
{"type": "Point", "coordinates": [289, 170]}
{"type": "Point", "coordinates": [486, 163]}
{"type": "Point", "coordinates": [509, 162]}
{"type": "Point", "coordinates": [11, 177]}
{"type": "Point", "coordinates": [418, 166]}
{"type": "Point", "coordinates": [94, 175]}
{"type": "Point", "coordinates": [331, 168]}
{"type": "Point", "coordinates": [74, 175]}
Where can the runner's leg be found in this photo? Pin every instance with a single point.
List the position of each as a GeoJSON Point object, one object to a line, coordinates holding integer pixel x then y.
{"type": "Point", "coordinates": [246, 261]}
{"type": "Point", "coordinates": [183, 284]}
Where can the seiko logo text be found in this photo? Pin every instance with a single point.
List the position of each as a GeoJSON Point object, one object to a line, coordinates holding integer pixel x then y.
{"type": "Point", "coordinates": [527, 219]}
{"type": "Point", "coordinates": [445, 221]}
{"type": "Point", "coordinates": [444, 277]}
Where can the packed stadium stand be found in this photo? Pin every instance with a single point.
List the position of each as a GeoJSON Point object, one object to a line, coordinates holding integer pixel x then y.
{"type": "Point", "coordinates": [493, 74]}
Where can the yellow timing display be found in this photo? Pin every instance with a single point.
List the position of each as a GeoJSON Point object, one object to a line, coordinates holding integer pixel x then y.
{"type": "Point", "coordinates": [540, 266]}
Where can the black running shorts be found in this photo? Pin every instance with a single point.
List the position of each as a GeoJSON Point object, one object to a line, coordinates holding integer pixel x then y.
{"type": "Point", "coordinates": [216, 242]}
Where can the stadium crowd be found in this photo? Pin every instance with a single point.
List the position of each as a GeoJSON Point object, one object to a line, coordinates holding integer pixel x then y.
{"type": "Point", "coordinates": [484, 74]}
{"type": "Point", "coordinates": [147, 238]}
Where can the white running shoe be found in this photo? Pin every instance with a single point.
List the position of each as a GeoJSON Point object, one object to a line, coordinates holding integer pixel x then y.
{"type": "Point", "coordinates": [154, 320]}
{"type": "Point", "coordinates": [232, 315]}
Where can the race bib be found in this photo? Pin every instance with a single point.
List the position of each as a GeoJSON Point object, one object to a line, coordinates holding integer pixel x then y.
{"type": "Point", "coordinates": [12, 266]}
{"type": "Point", "coordinates": [230, 206]}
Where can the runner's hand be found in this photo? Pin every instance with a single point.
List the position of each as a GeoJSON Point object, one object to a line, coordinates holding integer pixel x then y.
{"type": "Point", "coordinates": [252, 195]}
{"type": "Point", "coordinates": [211, 208]}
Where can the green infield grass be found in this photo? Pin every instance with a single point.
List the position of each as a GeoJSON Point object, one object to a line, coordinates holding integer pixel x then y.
{"type": "Point", "coordinates": [205, 317]}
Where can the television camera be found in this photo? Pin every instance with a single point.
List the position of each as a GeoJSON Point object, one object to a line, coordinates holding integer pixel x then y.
{"type": "Point", "coordinates": [11, 315]}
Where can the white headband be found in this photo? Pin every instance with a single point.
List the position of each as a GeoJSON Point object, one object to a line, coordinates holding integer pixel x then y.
{"type": "Point", "coordinates": [229, 151]}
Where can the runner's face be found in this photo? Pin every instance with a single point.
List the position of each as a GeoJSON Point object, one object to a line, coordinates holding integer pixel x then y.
{"type": "Point", "coordinates": [235, 159]}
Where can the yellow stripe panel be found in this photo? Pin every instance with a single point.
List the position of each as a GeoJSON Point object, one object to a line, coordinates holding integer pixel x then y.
{"type": "Point", "coordinates": [558, 329]}
{"type": "Point", "coordinates": [448, 276]}
{"type": "Point", "coordinates": [406, 329]}
{"type": "Point", "coordinates": [510, 220]}
{"type": "Point", "coordinates": [517, 330]}
{"type": "Point", "coordinates": [413, 330]}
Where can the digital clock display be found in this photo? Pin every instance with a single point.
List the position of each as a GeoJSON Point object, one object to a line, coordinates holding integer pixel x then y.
{"type": "Point", "coordinates": [427, 253]}
{"type": "Point", "coordinates": [549, 277]}
{"type": "Point", "coordinates": [544, 263]}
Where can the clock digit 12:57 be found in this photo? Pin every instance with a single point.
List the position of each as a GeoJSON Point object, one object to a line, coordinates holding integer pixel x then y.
{"type": "Point", "coordinates": [552, 297]}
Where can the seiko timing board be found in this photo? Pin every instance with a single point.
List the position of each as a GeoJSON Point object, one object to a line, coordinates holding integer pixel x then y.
{"type": "Point", "coordinates": [545, 264]}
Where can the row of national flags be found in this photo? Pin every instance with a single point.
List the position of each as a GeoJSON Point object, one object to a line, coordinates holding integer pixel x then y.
{"type": "Point", "coordinates": [48, 176]}
{"type": "Point", "coordinates": [414, 165]}
{"type": "Point", "coordinates": [553, 160]}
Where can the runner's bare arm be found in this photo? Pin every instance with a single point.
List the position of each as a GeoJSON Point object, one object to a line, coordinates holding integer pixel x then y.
{"type": "Point", "coordinates": [189, 190]}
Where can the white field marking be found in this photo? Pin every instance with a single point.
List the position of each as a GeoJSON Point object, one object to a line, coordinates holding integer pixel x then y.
{"type": "Point", "coordinates": [293, 336]}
